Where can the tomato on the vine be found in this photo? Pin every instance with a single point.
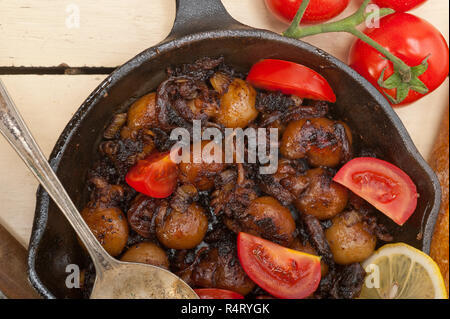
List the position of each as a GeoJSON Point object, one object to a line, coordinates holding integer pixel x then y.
{"type": "Point", "coordinates": [317, 10]}
{"type": "Point", "coordinates": [399, 5]}
{"type": "Point", "coordinates": [409, 38]}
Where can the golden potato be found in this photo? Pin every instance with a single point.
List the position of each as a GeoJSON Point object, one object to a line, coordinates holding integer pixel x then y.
{"type": "Point", "coordinates": [237, 105]}
{"type": "Point", "coordinates": [109, 226]}
{"type": "Point", "coordinates": [146, 253]}
{"type": "Point", "coordinates": [349, 241]}
{"type": "Point", "coordinates": [182, 230]}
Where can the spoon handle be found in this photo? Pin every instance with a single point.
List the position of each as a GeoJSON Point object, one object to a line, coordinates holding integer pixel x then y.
{"type": "Point", "coordinates": [14, 129]}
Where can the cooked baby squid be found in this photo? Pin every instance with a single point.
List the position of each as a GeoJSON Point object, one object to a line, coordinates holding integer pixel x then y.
{"type": "Point", "coordinates": [215, 265]}
{"type": "Point", "coordinates": [142, 114]}
{"type": "Point", "coordinates": [287, 184]}
{"type": "Point", "coordinates": [201, 175]}
{"type": "Point", "coordinates": [267, 218]}
{"type": "Point", "coordinates": [221, 269]}
{"type": "Point", "coordinates": [322, 141]}
{"type": "Point", "coordinates": [323, 198]}
{"type": "Point", "coordinates": [220, 82]}
{"type": "Point", "coordinates": [349, 241]}
{"type": "Point", "coordinates": [141, 215]}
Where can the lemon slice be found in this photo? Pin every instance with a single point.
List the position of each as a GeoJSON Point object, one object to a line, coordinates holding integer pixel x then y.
{"type": "Point", "coordinates": [399, 271]}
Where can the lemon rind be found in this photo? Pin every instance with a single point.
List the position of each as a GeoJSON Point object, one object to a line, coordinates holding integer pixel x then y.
{"type": "Point", "coordinates": [417, 256]}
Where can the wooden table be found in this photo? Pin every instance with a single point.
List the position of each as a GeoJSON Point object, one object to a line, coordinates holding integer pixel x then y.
{"type": "Point", "coordinates": [39, 36]}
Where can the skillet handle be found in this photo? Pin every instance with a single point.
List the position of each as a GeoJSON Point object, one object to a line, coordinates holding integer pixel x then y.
{"type": "Point", "coordinates": [194, 16]}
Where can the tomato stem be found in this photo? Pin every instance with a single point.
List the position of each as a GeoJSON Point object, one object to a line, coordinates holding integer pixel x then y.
{"type": "Point", "coordinates": [403, 68]}
{"type": "Point", "coordinates": [297, 18]}
{"type": "Point", "coordinates": [349, 25]}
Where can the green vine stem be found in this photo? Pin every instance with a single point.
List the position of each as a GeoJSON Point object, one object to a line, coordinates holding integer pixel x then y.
{"type": "Point", "coordinates": [405, 74]}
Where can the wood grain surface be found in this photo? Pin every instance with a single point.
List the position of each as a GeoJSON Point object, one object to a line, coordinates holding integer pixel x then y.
{"type": "Point", "coordinates": [14, 281]}
{"type": "Point", "coordinates": [35, 34]}
{"type": "Point", "coordinates": [439, 161]}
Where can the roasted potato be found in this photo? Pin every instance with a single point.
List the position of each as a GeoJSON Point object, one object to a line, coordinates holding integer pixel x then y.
{"type": "Point", "coordinates": [109, 226]}
{"type": "Point", "coordinates": [349, 241]}
{"type": "Point", "coordinates": [146, 253]}
{"type": "Point", "coordinates": [237, 105]}
{"type": "Point", "coordinates": [182, 230]}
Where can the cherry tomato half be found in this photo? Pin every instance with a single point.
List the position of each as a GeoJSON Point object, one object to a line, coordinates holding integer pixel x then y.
{"type": "Point", "coordinates": [317, 10]}
{"type": "Point", "coordinates": [382, 184]}
{"type": "Point", "coordinates": [409, 38]}
{"type": "Point", "coordinates": [211, 293]}
{"type": "Point", "coordinates": [290, 78]}
{"type": "Point", "coordinates": [155, 176]}
{"type": "Point", "coordinates": [399, 5]}
{"type": "Point", "coordinates": [282, 272]}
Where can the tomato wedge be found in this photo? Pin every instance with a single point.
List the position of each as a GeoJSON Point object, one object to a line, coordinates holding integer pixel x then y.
{"type": "Point", "coordinates": [282, 272]}
{"type": "Point", "coordinates": [155, 176]}
{"type": "Point", "coordinates": [212, 293]}
{"type": "Point", "coordinates": [382, 184]}
{"type": "Point", "coordinates": [290, 78]}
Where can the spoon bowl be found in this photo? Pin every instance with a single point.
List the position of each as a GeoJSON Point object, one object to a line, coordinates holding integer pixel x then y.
{"type": "Point", "coordinates": [138, 281]}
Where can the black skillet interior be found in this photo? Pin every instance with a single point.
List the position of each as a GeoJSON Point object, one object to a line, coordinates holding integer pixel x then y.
{"type": "Point", "coordinates": [204, 28]}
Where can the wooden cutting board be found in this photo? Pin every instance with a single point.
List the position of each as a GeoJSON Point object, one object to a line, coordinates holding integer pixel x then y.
{"type": "Point", "coordinates": [35, 34]}
{"type": "Point", "coordinates": [13, 270]}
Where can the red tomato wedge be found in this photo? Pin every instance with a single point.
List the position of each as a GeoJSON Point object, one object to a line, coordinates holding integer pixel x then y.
{"type": "Point", "coordinates": [212, 293]}
{"type": "Point", "coordinates": [290, 78]}
{"type": "Point", "coordinates": [155, 176]}
{"type": "Point", "coordinates": [382, 184]}
{"type": "Point", "coordinates": [282, 272]}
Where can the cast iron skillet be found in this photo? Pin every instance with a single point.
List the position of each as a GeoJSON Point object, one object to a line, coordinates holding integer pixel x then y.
{"type": "Point", "coordinates": [204, 28]}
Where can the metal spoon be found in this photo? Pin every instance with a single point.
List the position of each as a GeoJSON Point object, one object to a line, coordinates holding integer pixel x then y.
{"type": "Point", "coordinates": [115, 279]}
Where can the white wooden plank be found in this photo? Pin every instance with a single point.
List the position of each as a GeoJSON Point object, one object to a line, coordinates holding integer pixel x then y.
{"type": "Point", "coordinates": [110, 31]}
{"type": "Point", "coordinates": [113, 31]}
{"type": "Point", "coordinates": [47, 102]}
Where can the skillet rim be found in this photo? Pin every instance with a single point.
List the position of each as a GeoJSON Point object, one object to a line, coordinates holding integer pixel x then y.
{"type": "Point", "coordinates": [43, 200]}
